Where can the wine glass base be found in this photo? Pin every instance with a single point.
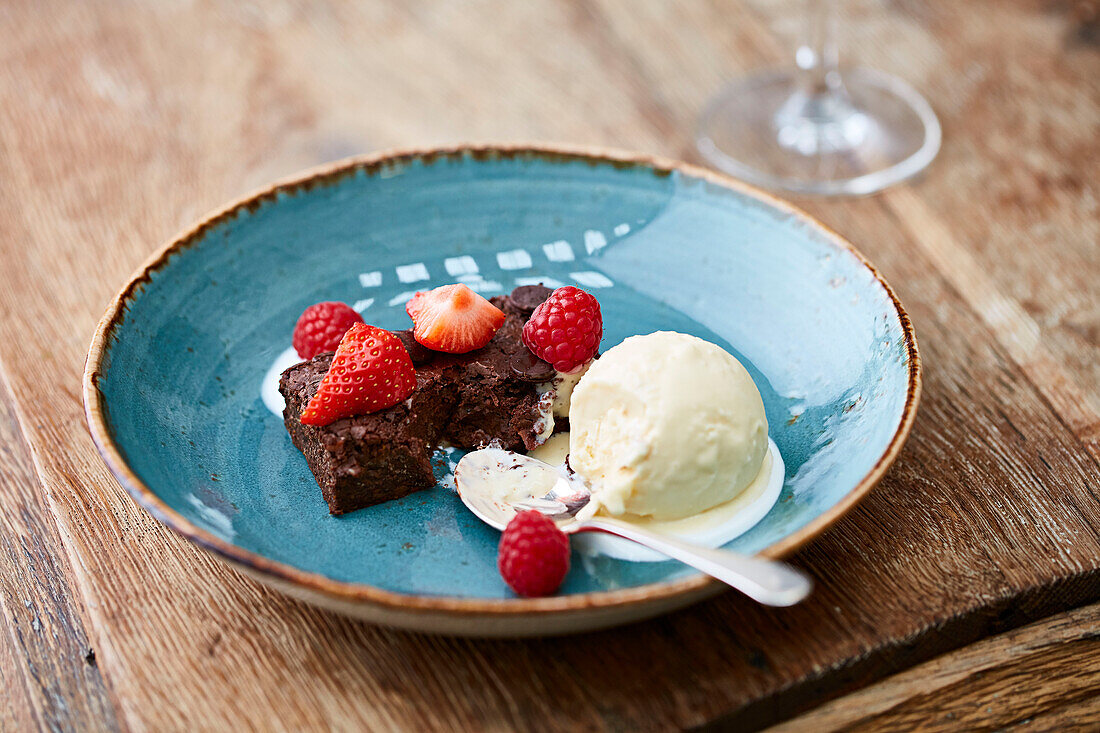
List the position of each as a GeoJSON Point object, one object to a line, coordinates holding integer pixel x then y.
{"type": "Point", "coordinates": [762, 129]}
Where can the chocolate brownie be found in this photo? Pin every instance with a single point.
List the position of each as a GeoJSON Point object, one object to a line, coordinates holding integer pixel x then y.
{"type": "Point", "coordinates": [465, 400]}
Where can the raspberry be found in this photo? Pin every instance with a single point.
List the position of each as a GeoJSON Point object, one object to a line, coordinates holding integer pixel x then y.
{"type": "Point", "coordinates": [321, 326]}
{"type": "Point", "coordinates": [565, 329]}
{"type": "Point", "coordinates": [534, 555]}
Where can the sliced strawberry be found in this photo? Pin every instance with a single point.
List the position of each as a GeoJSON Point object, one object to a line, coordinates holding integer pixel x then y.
{"type": "Point", "coordinates": [370, 371]}
{"type": "Point", "coordinates": [415, 303]}
{"type": "Point", "coordinates": [453, 319]}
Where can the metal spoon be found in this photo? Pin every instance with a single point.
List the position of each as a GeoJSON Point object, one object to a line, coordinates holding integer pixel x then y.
{"type": "Point", "coordinates": [483, 478]}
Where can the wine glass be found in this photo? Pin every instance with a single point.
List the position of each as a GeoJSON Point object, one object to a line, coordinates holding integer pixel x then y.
{"type": "Point", "coordinates": [810, 130]}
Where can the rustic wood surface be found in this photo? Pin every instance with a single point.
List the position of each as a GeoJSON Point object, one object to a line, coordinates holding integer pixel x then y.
{"type": "Point", "coordinates": [1044, 676]}
{"type": "Point", "coordinates": [122, 123]}
{"type": "Point", "coordinates": [48, 666]}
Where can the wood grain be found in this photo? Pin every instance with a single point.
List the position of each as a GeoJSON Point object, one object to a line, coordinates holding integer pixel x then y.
{"type": "Point", "coordinates": [1045, 675]}
{"type": "Point", "coordinates": [121, 124]}
{"type": "Point", "coordinates": [47, 668]}
{"type": "Point", "coordinates": [17, 713]}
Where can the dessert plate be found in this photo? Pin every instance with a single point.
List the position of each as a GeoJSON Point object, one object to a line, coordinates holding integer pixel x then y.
{"type": "Point", "coordinates": [173, 385]}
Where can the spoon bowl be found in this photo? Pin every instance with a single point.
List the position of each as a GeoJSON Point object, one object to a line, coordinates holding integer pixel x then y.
{"type": "Point", "coordinates": [485, 480]}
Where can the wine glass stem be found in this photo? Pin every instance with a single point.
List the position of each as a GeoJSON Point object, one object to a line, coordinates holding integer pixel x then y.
{"type": "Point", "coordinates": [817, 55]}
{"type": "Point", "coordinates": [819, 117]}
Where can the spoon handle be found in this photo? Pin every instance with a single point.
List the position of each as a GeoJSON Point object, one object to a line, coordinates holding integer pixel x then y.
{"type": "Point", "coordinates": [770, 582]}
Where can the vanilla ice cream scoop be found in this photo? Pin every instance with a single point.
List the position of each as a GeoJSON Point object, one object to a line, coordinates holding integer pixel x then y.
{"type": "Point", "coordinates": [666, 426]}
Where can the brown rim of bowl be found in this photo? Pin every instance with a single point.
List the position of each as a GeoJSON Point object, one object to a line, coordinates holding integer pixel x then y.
{"type": "Point", "coordinates": [356, 592]}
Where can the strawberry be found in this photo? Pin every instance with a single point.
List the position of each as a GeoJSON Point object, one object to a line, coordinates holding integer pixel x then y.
{"type": "Point", "coordinates": [533, 557]}
{"type": "Point", "coordinates": [321, 326]}
{"type": "Point", "coordinates": [565, 329]}
{"type": "Point", "coordinates": [453, 319]}
{"type": "Point", "coordinates": [370, 371]}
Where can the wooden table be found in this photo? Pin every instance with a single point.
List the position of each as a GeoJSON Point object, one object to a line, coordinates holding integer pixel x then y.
{"type": "Point", "coordinates": [962, 594]}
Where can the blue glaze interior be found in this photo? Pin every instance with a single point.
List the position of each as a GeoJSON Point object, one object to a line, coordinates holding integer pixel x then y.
{"type": "Point", "coordinates": [182, 375]}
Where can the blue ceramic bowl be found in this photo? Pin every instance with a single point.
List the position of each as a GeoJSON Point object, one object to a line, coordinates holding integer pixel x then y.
{"type": "Point", "coordinates": [173, 383]}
